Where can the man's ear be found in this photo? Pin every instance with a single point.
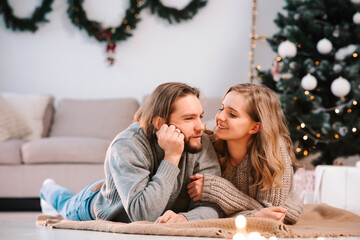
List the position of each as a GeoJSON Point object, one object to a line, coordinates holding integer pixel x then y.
{"type": "Point", "coordinates": [255, 128]}
{"type": "Point", "coordinates": [158, 122]}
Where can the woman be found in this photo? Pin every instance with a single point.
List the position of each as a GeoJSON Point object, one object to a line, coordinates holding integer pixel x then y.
{"type": "Point", "coordinates": [255, 154]}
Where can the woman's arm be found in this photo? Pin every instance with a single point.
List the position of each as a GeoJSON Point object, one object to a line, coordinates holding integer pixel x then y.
{"type": "Point", "coordinates": [275, 213]}
{"type": "Point", "coordinates": [285, 196]}
{"type": "Point", "coordinates": [222, 192]}
{"type": "Point", "coordinates": [233, 201]}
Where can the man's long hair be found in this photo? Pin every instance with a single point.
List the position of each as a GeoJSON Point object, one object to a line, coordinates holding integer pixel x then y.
{"type": "Point", "coordinates": [160, 104]}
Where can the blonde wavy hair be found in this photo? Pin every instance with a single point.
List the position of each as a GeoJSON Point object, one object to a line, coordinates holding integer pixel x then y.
{"type": "Point", "coordinates": [262, 105]}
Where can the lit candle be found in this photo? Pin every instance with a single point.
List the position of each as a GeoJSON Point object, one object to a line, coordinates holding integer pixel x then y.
{"type": "Point", "coordinates": [240, 223]}
{"type": "Point", "coordinates": [241, 234]}
{"type": "Point", "coordinates": [254, 236]}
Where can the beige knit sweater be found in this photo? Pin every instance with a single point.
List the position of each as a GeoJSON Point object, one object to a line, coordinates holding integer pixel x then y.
{"type": "Point", "coordinates": [235, 196]}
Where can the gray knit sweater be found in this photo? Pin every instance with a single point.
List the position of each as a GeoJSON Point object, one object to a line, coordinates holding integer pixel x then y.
{"type": "Point", "coordinates": [234, 194]}
{"type": "Point", "coordinates": [141, 186]}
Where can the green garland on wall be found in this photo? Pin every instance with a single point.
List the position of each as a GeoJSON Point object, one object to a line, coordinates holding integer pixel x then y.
{"type": "Point", "coordinates": [25, 24]}
{"type": "Point", "coordinates": [174, 14]}
{"type": "Point", "coordinates": [111, 35]}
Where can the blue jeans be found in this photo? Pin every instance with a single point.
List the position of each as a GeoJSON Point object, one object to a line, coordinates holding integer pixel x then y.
{"type": "Point", "coordinates": [71, 206]}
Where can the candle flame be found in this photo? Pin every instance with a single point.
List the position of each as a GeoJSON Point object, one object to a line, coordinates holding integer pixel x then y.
{"type": "Point", "coordinates": [240, 221]}
{"type": "Point", "coordinates": [254, 236]}
{"type": "Point", "coordinates": [239, 236]}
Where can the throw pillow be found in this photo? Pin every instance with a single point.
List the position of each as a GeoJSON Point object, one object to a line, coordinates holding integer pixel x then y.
{"type": "Point", "coordinates": [12, 125]}
{"type": "Point", "coordinates": [32, 108]}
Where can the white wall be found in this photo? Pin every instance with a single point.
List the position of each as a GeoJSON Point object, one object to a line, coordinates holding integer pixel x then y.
{"type": "Point", "coordinates": [210, 51]}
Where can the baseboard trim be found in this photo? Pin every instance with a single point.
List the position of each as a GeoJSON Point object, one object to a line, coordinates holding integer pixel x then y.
{"type": "Point", "coordinates": [19, 204]}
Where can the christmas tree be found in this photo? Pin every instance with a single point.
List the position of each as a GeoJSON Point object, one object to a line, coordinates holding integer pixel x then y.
{"type": "Point", "coordinates": [317, 76]}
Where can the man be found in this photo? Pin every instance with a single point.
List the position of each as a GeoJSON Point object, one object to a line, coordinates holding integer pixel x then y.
{"type": "Point", "coordinates": [148, 166]}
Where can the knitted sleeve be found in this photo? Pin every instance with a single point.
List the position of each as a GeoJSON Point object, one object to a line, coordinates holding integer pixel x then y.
{"type": "Point", "coordinates": [284, 196]}
{"type": "Point", "coordinates": [128, 167]}
{"type": "Point", "coordinates": [222, 192]}
{"type": "Point", "coordinates": [234, 202]}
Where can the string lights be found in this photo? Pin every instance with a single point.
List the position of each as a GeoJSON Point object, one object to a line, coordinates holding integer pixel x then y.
{"type": "Point", "coordinates": [253, 38]}
{"type": "Point", "coordinates": [308, 134]}
{"type": "Point", "coordinates": [318, 90]}
{"type": "Point", "coordinates": [336, 109]}
{"type": "Point", "coordinates": [316, 137]}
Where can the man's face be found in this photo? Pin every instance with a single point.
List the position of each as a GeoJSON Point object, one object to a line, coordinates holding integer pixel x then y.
{"type": "Point", "coordinates": [186, 116]}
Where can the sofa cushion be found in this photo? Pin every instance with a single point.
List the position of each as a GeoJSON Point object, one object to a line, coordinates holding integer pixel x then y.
{"type": "Point", "coordinates": [32, 108]}
{"type": "Point", "coordinates": [65, 150]}
{"type": "Point", "coordinates": [12, 125]}
{"type": "Point", "coordinates": [10, 152]}
{"type": "Point", "coordinates": [99, 118]}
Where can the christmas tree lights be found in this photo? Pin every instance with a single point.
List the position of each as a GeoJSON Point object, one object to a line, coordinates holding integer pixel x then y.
{"type": "Point", "coordinates": [317, 76]}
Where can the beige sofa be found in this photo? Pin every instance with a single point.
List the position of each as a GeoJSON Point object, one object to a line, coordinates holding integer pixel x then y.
{"type": "Point", "coordinates": [71, 148]}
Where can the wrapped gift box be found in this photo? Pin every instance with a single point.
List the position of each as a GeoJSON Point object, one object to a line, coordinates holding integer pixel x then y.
{"type": "Point", "coordinates": [304, 182]}
{"type": "Point", "coordinates": [338, 186]}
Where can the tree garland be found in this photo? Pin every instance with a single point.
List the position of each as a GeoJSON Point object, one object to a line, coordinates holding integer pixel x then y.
{"type": "Point", "coordinates": [111, 35]}
{"type": "Point", "coordinates": [174, 14]}
{"type": "Point", "coordinates": [25, 24]}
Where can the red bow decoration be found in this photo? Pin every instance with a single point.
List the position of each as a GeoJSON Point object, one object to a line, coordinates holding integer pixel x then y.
{"type": "Point", "coordinates": [110, 47]}
{"type": "Point", "coordinates": [107, 34]}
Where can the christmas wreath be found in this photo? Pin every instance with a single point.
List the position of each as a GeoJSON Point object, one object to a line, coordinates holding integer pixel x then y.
{"type": "Point", "coordinates": [111, 35]}
{"type": "Point", "coordinates": [172, 13]}
{"type": "Point", "coordinates": [25, 24]}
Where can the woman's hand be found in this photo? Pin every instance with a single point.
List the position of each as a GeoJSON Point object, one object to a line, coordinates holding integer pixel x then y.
{"type": "Point", "coordinates": [276, 213]}
{"type": "Point", "coordinates": [195, 188]}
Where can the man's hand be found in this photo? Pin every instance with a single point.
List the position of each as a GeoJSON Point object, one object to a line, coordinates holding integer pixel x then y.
{"type": "Point", "coordinates": [171, 140]}
{"type": "Point", "coordinates": [195, 188]}
{"type": "Point", "coordinates": [171, 217]}
{"type": "Point", "coordinates": [276, 213]}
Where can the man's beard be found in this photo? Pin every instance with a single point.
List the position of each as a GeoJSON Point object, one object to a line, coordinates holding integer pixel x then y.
{"type": "Point", "coordinates": [191, 149]}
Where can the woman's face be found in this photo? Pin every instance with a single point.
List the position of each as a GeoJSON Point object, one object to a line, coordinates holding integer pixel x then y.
{"type": "Point", "coordinates": [232, 122]}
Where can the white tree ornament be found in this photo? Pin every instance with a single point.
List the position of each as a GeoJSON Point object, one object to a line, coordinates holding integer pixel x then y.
{"type": "Point", "coordinates": [356, 18]}
{"type": "Point", "coordinates": [324, 46]}
{"type": "Point", "coordinates": [308, 82]}
{"type": "Point", "coordinates": [340, 87]}
{"type": "Point", "coordinates": [178, 4]}
{"type": "Point", "coordinates": [287, 49]}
